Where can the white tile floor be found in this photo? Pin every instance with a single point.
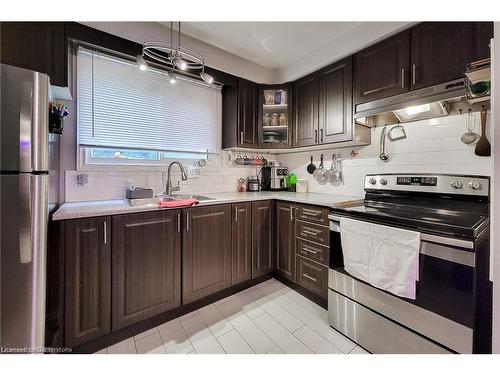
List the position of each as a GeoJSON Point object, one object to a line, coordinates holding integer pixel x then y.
{"type": "Point", "coordinates": [266, 318]}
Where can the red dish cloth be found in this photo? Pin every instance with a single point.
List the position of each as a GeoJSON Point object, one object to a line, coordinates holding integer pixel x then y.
{"type": "Point", "coordinates": [179, 203]}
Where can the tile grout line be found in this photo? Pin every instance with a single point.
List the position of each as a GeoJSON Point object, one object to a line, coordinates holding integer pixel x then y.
{"type": "Point", "coordinates": [303, 323]}
{"type": "Point", "coordinates": [151, 334]}
{"type": "Point", "coordinates": [189, 338]}
{"type": "Point", "coordinates": [272, 300]}
{"type": "Point", "coordinates": [256, 326]}
{"type": "Point", "coordinates": [239, 334]}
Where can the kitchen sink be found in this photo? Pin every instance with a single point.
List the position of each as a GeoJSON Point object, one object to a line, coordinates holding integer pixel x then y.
{"type": "Point", "coordinates": [193, 196]}
{"type": "Point", "coordinates": [166, 198]}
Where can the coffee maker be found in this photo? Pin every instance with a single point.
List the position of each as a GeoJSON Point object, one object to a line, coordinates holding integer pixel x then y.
{"type": "Point", "coordinates": [274, 176]}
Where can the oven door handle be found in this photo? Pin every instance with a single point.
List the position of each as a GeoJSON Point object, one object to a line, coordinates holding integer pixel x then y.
{"type": "Point", "coordinates": [335, 227]}
{"type": "Point", "coordinates": [451, 249]}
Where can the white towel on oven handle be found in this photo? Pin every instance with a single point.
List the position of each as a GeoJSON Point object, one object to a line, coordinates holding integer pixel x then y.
{"type": "Point", "coordinates": [383, 256]}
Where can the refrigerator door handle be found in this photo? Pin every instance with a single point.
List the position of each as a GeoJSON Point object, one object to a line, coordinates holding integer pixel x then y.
{"type": "Point", "coordinates": [33, 125]}
{"type": "Point", "coordinates": [25, 126]}
{"type": "Point", "coordinates": [25, 227]}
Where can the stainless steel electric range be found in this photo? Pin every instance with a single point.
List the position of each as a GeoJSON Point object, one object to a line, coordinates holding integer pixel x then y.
{"type": "Point", "coordinates": [452, 308]}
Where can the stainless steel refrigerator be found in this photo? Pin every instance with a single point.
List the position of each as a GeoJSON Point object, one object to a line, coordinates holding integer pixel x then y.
{"type": "Point", "coordinates": [24, 161]}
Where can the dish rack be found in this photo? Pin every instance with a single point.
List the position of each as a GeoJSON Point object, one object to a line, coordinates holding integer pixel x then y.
{"type": "Point", "coordinates": [476, 72]}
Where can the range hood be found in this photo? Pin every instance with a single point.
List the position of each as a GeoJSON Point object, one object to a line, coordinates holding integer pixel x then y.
{"type": "Point", "coordinates": [429, 102]}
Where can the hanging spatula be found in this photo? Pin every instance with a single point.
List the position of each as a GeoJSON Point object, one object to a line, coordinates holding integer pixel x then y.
{"type": "Point", "coordinates": [483, 146]}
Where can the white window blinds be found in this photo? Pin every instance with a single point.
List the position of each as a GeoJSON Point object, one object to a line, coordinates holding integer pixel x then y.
{"type": "Point", "coordinates": [121, 106]}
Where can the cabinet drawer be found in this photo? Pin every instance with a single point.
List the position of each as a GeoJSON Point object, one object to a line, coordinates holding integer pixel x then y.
{"type": "Point", "coordinates": [313, 214]}
{"type": "Point", "coordinates": [313, 251]}
{"type": "Point", "coordinates": [314, 233]}
{"type": "Point", "coordinates": [312, 276]}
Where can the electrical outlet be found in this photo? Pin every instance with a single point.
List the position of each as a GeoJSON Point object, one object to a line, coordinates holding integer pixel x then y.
{"type": "Point", "coordinates": [193, 172]}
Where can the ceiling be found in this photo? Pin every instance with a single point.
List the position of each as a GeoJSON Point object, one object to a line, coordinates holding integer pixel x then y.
{"type": "Point", "coordinates": [273, 45]}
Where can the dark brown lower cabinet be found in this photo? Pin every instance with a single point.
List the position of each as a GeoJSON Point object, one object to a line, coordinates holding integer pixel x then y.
{"type": "Point", "coordinates": [285, 240]}
{"type": "Point", "coordinates": [87, 272]}
{"type": "Point", "coordinates": [241, 242]}
{"type": "Point", "coordinates": [263, 238]}
{"type": "Point", "coordinates": [206, 249]}
{"type": "Point", "coordinates": [146, 264]}
{"type": "Point", "coordinates": [312, 276]}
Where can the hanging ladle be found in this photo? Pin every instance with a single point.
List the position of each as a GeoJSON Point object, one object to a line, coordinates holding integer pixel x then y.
{"type": "Point", "coordinates": [383, 156]}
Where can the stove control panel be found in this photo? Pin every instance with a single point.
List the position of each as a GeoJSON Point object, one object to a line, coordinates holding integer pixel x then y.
{"type": "Point", "coordinates": [434, 183]}
{"type": "Point", "coordinates": [416, 181]}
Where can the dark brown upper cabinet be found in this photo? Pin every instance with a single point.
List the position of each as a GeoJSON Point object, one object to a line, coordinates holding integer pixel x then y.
{"type": "Point", "coordinates": [146, 265]}
{"type": "Point", "coordinates": [285, 240]}
{"type": "Point", "coordinates": [206, 250]}
{"type": "Point", "coordinates": [383, 69]}
{"type": "Point", "coordinates": [87, 273]}
{"type": "Point", "coordinates": [335, 102]}
{"type": "Point", "coordinates": [38, 46]}
{"type": "Point", "coordinates": [242, 242]}
{"type": "Point", "coordinates": [263, 238]}
{"type": "Point", "coordinates": [441, 50]}
{"type": "Point", "coordinates": [247, 113]}
{"type": "Point", "coordinates": [305, 95]}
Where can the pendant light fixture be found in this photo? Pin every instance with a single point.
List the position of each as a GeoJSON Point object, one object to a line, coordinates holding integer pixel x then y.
{"type": "Point", "coordinates": [175, 56]}
{"type": "Point", "coordinates": [141, 63]}
{"type": "Point", "coordinates": [171, 77]}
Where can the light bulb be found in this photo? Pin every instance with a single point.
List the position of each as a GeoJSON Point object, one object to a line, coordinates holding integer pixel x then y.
{"type": "Point", "coordinates": [171, 77]}
{"type": "Point", "coordinates": [180, 63]}
{"type": "Point", "coordinates": [141, 63]}
{"type": "Point", "coordinates": [207, 78]}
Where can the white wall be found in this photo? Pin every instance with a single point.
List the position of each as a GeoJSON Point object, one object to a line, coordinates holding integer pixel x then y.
{"type": "Point", "coordinates": [495, 210]}
{"type": "Point", "coordinates": [432, 146]}
{"type": "Point", "coordinates": [215, 57]}
{"type": "Point", "coordinates": [105, 182]}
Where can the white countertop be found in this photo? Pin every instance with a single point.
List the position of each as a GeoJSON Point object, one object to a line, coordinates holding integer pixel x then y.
{"type": "Point", "coordinates": [77, 210]}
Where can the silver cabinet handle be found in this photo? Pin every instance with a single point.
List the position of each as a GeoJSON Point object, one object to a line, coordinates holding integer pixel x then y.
{"type": "Point", "coordinates": [179, 222]}
{"type": "Point", "coordinates": [310, 232]}
{"type": "Point", "coordinates": [241, 138]}
{"type": "Point", "coordinates": [307, 211]}
{"type": "Point", "coordinates": [236, 214]}
{"type": "Point", "coordinates": [321, 131]}
{"type": "Point", "coordinates": [291, 213]}
{"type": "Point", "coordinates": [309, 250]}
{"type": "Point", "coordinates": [310, 277]}
{"type": "Point", "coordinates": [187, 221]}
{"type": "Point", "coordinates": [105, 226]}
{"type": "Point", "coordinates": [414, 74]}
{"type": "Point", "coordinates": [402, 78]}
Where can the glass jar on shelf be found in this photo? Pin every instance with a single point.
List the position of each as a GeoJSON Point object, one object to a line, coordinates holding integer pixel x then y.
{"type": "Point", "coordinates": [283, 119]}
{"type": "Point", "coordinates": [266, 121]}
{"type": "Point", "coordinates": [274, 119]}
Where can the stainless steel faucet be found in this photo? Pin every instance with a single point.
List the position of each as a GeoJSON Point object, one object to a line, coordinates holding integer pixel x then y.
{"type": "Point", "coordinates": [168, 185]}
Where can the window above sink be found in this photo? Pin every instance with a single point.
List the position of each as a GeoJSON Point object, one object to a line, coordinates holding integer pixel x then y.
{"type": "Point", "coordinates": [126, 116]}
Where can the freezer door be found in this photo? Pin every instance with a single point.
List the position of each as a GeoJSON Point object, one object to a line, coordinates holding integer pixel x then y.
{"type": "Point", "coordinates": [23, 237]}
{"type": "Point", "coordinates": [23, 120]}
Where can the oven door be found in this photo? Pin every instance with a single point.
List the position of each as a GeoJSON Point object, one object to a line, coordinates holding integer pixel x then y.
{"type": "Point", "coordinates": [443, 309]}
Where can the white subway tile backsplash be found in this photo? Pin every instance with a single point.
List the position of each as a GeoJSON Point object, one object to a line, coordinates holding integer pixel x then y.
{"type": "Point", "coordinates": [220, 175]}
{"type": "Point", "coordinates": [431, 146]}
